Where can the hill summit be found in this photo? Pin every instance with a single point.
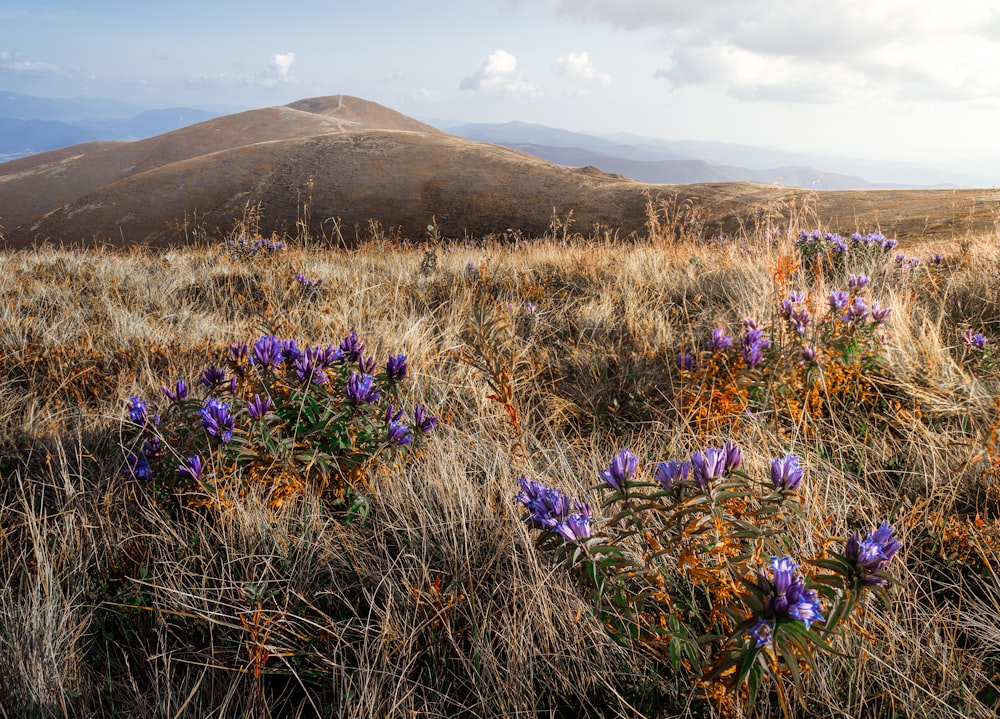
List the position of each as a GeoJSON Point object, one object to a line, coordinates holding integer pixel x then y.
{"type": "Point", "coordinates": [352, 160]}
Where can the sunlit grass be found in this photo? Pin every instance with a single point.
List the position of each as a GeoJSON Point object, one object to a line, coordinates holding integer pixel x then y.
{"type": "Point", "coordinates": [430, 596]}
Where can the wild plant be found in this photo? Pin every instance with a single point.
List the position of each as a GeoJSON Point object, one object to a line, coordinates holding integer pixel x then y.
{"type": "Point", "coordinates": [694, 568]}
{"type": "Point", "coordinates": [274, 412]}
{"type": "Point", "coordinates": [810, 358]}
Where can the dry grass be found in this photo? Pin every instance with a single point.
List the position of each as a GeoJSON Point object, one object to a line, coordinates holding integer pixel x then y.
{"type": "Point", "coordinates": [438, 603]}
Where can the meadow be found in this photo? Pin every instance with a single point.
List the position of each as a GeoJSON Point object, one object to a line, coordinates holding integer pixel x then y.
{"type": "Point", "coordinates": [557, 476]}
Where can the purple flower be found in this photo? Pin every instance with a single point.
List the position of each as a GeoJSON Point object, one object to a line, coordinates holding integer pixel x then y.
{"type": "Point", "coordinates": [708, 464]}
{"type": "Point", "coordinates": [871, 554]}
{"type": "Point", "coordinates": [838, 300]}
{"type": "Point", "coordinates": [753, 345]}
{"type": "Point", "coordinates": [399, 434]}
{"type": "Point", "coordinates": [788, 595]}
{"type": "Point", "coordinates": [878, 314]}
{"type": "Point", "coordinates": [550, 509]}
{"type": "Point", "coordinates": [936, 259]}
{"type": "Point", "coordinates": [858, 281]}
{"type": "Point", "coordinates": [360, 389]}
{"type": "Point", "coordinates": [720, 340]}
{"type": "Point", "coordinates": [238, 352]}
{"type": "Point", "coordinates": [213, 376]}
{"type": "Point", "coordinates": [423, 422]}
{"type": "Point", "coordinates": [179, 392]}
{"type": "Point", "coordinates": [290, 351]}
{"type": "Point", "coordinates": [800, 320]}
{"type": "Point", "coordinates": [621, 469]}
{"type": "Point", "coordinates": [191, 468]}
{"type": "Point", "coordinates": [669, 473]}
{"type": "Point", "coordinates": [137, 410]}
{"type": "Point", "coordinates": [734, 455]}
{"type": "Point", "coordinates": [352, 347]}
{"type": "Point", "coordinates": [307, 367]}
{"type": "Point", "coordinates": [367, 364]}
{"type": "Point", "coordinates": [152, 447]}
{"type": "Point", "coordinates": [856, 312]}
{"type": "Point", "coordinates": [216, 419]}
{"type": "Point", "coordinates": [809, 354]}
{"type": "Point", "coordinates": [786, 474]}
{"type": "Point", "coordinates": [140, 467]}
{"type": "Point", "coordinates": [685, 362]}
{"type": "Point", "coordinates": [268, 351]}
{"type": "Point", "coordinates": [763, 632]}
{"type": "Point", "coordinates": [974, 340]}
{"type": "Point", "coordinates": [396, 368]}
{"type": "Point", "coordinates": [258, 406]}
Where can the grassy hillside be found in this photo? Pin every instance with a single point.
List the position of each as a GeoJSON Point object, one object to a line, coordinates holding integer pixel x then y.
{"type": "Point", "coordinates": [316, 567]}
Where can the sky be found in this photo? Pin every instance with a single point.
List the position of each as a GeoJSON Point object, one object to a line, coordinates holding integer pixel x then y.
{"type": "Point", "coordinates": [896, 80]}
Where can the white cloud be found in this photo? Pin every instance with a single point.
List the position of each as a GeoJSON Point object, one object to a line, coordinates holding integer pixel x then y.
{"type": "Point", "coordinates": [890, 50]}
{"type": "Point", "coordinates": [499, 74]}
{"type": "Point", "coordinates": [577, 65]}
{"type": "Point", "coordinates": [277, 72]}
{"type": "Point", "coordinates": [15, 62]}
{"type": "Point", "coordinates": [282, 63]}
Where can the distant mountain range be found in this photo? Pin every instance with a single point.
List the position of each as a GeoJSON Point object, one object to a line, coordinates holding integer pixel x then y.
{"type": "Point", "coordinates": [29, 125]}
{"type": "Point", "coordinates": [354, 161]}
{"type": "Point", "coordinates": [668, 162]}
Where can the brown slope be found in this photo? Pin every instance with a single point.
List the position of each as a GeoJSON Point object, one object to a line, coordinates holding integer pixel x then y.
{"type": "Point", "coordinates": [363, 161]}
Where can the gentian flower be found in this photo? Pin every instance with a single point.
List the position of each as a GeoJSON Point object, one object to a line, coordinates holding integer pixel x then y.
{"type": "Point", "coordinates": [753, 344]}
{"type": "Point", "coordinates": [137, 410]}
{"type": "Point", "coordinates": [307, 368]}
{"type": "Point", "coordinates": [238, 354]}
{"type": "Point", "coordinates": [396, 368]}
{"type": "Point", "coordinates": [621, 469]}
{"type": "Point", "coordinates": [974, 340]}
{"type": "Point", "coordinates": [669, 473]}
{"type": "Point", "coordinates": [871, 554]}
{"type": "Point", "coordinates": [423, 422]}
{"type": "Point", "coordinates": [838, 300]}
{"type": "Point", "coordinates": [809, 354]}
{"type": "Point", "coordinates": [268, 351]}
{"type": "Point", "coordinates": [720, 340]}
{"type": "Point", "coordinates": [290, 351]}
{"type": "Point", "coordinates": [360, 389]}
{"type": "Point", "coordinates": [734, 455]}
{"type": "Point", "coordinates": [878, 314]}
{"type": "Point", "coordinates": [708, 464]}
{"type": "Point", "coordinates": [763, 631]}
{"type": "Point", "coordinates": [685, 362]}
{"type": "Point", "coordinates": [179, 392]}
{"type": "Point", "coordinates": [213, 376]}
{"type": "Point", "coordinates": [258, 406]}
{"type": "Point", "coordinates": [858, 281]}
{"type": "Point", "coordinates": [191, 468]}
{"type": "Point", "coordinates": [856, 312]}
{"type": "Point", "coordinates": [786, 474]}
{"type": "Point", "coordinates": [352, 347]}
{"type": "Point", "coordinates": [787, 597]}
{"type": "Point", "coordinates": [399, 434]}
{"type": "Point", "coordinates": [140, 467]}
{"type": "Point", "coordinates": [550, 509]}
{"type": "Point", "coordinates": [152, 447]}
{"type": "Point", "coordinates": [216, 419]}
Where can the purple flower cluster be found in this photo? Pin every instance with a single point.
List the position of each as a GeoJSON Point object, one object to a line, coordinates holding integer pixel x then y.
{"type": "Point", "coordinates": [753, 344]}
{"type": "Point", "coordinates": [216, 419]}
{"type": "Point", "coordinates": [872, 553]}
{"type": "Point", "coordinates": [720, 341]}
{"type": "Point", "coordinates": [793, 310]}
{"type": "Point", "coordinates": [137, 411]}
{"type": "Point", "coordinates": [550, 509]}
{"type": "Point", "coordinates": [422, 421]}
{"type": "Point", "coordinates": [191, 468]}
{"type": "Point", "coordinates": [258, 407]}
{"type": "Point", "coordinates": [705, 466]}
{"type": "Point", "coordinates": [685, 362]}
{"type": "Point", "coordinates": [244, 248]}
{"type": "Point", "coordinates": [395, 368]}
{"type": "Point", "coordinates": [306, 282]}
{"type": "Point", "coordinates": [786, 596]}
{"type": "Point", "coordinates": [361, 389]}
{"type": "Point", "coordinates": [621, 469]}
{"type": "Point", "coordinates": [179, 392]}
{"type": "Point", "coordinates": [398, 433]}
